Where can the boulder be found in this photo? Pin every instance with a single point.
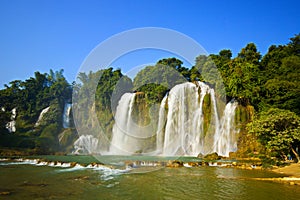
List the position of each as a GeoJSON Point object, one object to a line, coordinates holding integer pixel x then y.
{"type": "Point", "coordinates": [212, 156]}
{"type": "Point", "coordinates": [174, 163]}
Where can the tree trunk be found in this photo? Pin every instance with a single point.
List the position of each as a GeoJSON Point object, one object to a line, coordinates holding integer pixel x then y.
{"type": "Point", "coordinates": [284, 156]}
{"type": "Point", "coordinates": [296, 154]}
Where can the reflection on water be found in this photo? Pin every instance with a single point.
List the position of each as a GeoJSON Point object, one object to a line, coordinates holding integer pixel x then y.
{"type": "Point", "coordinates": [44, 182]}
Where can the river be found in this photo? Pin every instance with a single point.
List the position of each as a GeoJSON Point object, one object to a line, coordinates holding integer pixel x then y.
{"type": "Point", "coordinates": [21, 180]}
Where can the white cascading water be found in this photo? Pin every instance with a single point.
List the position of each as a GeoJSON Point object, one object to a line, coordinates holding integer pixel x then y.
{"type": "Point", "coordinates": [161, 126]}
{"type": "Point", "coordinates": [180, 127]}
{"type": "Point", "coordinates": [184, 133]}
{"type": "Point", "coordinates": [126, 138]}
{"type": "Point", "coordinates": [86, 144]}
{"type": "Point", "coordinates": [11, 126]}
{"type": "Point", "coordinates": [43, 112]}
{"type": "Point", "coordinates": [179, 136]}
{"type": "Point", "coordinates": [66, 115]}
{"type": "Point", "coordinates": [225, 139]}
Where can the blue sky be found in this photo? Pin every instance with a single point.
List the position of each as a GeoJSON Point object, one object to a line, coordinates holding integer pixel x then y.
{"type": "Point", "coordinates": [39, 35]}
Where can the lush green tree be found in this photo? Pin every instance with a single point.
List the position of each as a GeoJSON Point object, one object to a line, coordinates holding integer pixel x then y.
{"type": "Point", "coordinates": [278, 130]}
{"type": "Point", "coordinates": [107, 84]}
{"type": "Point", "coordinates": [175, 64]}
{"type": "Point", "coordinates": [294, 45]}
{"type": "Point", "coordinates": [243, 83]}
{"type": "Point", "coordinates": [159, 75]}
{"type": "Point", "coordinates": [250, 54]}
{"type": "Point", "coordinates": [171, 62]}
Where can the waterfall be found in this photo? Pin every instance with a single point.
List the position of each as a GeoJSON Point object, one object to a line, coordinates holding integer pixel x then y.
{"type": "Point", "coordinates": [161, 125]}
{"type": "Point", "coordinates": [66, 115]}
{"type": "Point", "coordinates": [225, 139]}
{"type": "Point", "coordinates": [44, 111]}
{"type": "Point", "coordinates": [179, 134]}
{"type": "Point", "coordinates": [86, 144]}
{"type": "Point", "coordinates": [190, 121]}
{"type": "Point", "coordinates": [11, 126]}
{"type": "Point", "coordinates": [125, 138]}
{"type": "Point", "coordinates": [184, 132]}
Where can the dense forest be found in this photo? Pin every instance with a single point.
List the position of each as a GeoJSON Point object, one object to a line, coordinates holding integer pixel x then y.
{"type": "Point", "coordinates": [269, 83]}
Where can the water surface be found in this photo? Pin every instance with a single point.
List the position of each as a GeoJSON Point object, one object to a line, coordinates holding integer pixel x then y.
{"type": "Point", "coordinates": [25, 181]}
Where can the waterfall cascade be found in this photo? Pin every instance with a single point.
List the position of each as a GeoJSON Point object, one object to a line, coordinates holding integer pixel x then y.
{"type": "Point", "coordinates": [184, 132]}
{"type": "Point", "coordinates": [86, 144]}
{"type": "Point", "coordinates": [190, 121]}
{"type": "Point", "coordinates": [44, 111]}
{"type": "Point", "coordinates": [66, 115]}
{"type": "Point", "coordinates": [225, 139]}
{"type": "Point", "coordinates": [11, 126]}
{"type": "Point", "coordinates": [125, 138]}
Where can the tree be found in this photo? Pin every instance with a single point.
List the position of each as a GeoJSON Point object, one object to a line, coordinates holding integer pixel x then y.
{"type": "Point", "coordinates": [244, 82]}
{"type": "Point", "coordinates": [171, 62]}
{"type": "Point", "coordinates": [283, 89]}
{"type": "Point", "coordinates": [250, 54]}
{"type": "Point", "coordinates": [295, 44]}
{"type": "Point", "coordinates": [159, 74]}
{"type": "Point", "coordinates": [176, 64]}
{"type": "Point", "coordinates": [278, 130]}
{"type": "Point", "coordinates": [225, 54]}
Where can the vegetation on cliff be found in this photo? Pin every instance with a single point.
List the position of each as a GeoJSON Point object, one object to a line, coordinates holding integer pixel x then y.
{"type": "Point", "coordinates": [29, 98]}
{"type": "Point", "coordinates": [267, 88]}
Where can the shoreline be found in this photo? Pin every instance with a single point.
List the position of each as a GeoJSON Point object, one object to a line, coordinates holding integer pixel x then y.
{"type": "Point", "coordinates": [292, 170]}
{"type": "Point", "coordinates": [291, 174]}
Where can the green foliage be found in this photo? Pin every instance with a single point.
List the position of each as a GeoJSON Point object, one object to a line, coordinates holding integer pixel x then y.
{"type": "Point", "coordinates": [177, 65]}
{"type": "Point", "coordinates": [154, 93]}
{"type": "Point", "coordinates": [195, 72]}
{"type": "Point", "coordinates": [244, 83]}
{"type": "Point", "coordinates": [156, 80]}
{"type": "Point", "coordinates": [159, 75]}
{"type": "Point", "coordinates": [278, 130]}
{"type": "Point", "coordinates": [48, 140]}
{"type": "Point", "coordinates": [67, 139]}
{"type": "Point", "coordinates": [249, 54]}
{"type": "Point", "coordinates": [30, 97]}
{"type": "Point", "coordinates": [283, 89]}
{"type": "Point", "coordinates": [106, 86]}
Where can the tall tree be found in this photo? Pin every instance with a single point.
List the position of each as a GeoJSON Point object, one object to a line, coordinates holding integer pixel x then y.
{"type": "Point", "coordinates": [250, 54]}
